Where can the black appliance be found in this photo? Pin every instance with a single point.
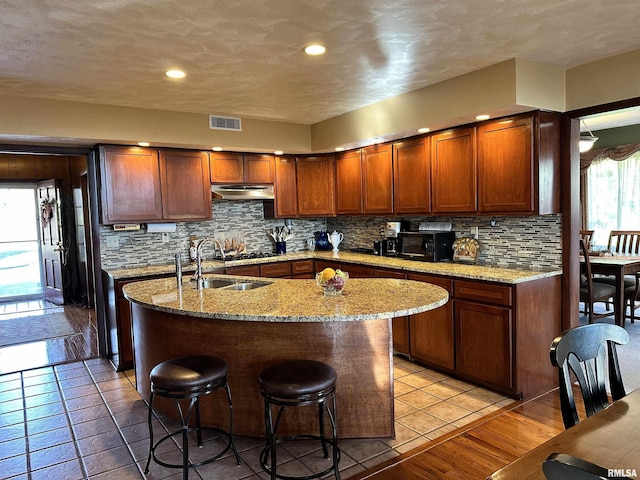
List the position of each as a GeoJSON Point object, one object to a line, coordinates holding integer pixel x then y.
{"type": "Point", "coordinates": [428, 246]}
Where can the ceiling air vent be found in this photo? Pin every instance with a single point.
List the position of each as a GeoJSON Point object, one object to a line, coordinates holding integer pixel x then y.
{"type": "Point", "coordinates": [217, 122]}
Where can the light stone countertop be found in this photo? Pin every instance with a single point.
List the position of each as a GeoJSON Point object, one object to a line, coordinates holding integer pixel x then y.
{"type": "Point", "coordinates": [284, 300]}
{"type": "Point", "coordinates": [451, 269]}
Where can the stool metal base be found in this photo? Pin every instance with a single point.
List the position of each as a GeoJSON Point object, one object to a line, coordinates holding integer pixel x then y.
{"type": "Point", "coordinates": [194, 405]}
{"type": "Point", "coordinates": [269, 450]}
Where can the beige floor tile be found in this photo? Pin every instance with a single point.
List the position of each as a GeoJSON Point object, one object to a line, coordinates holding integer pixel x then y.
{"type": "Point", "coordinates": [442, 390]}
{"type": "Point", "coordinates": [447, 411]}
{"type": "Point", "coordinates": [421, 422]}
{"type": "Point", "coordinates": [401, 408]}
{"type": "Point", "coordinates": [466, 420]}
{"type": "Point", "coordinates": [441, 431]}
{"type": "Point", "coordinates": [418, 380]}
{"type": "Point", "coordinates": [400, 388]}
{"type": "Point", "coordinates": [470, 401]}
{"type": "Point", "coordinates": [419, 399]}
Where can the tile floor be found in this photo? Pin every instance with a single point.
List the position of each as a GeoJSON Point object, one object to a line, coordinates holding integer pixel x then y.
{"type": "Point", "coordinates": [83, 420]}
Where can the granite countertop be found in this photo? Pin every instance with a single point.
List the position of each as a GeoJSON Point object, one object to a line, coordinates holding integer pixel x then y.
{"type": "Point", "coordinates": [451, 269]}
{"type": "Point", "coordinates": [284, 300]}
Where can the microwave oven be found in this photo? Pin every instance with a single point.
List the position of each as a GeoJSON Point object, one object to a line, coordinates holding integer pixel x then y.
{"type": "Point", "coordinates": [428, 246]}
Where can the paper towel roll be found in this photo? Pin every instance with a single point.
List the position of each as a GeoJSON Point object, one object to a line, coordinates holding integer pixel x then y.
{"type": "Point", "coordinates": [161, 227]}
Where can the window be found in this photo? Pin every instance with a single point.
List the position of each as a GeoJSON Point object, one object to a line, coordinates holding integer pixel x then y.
{"type": "Point", "coordinates": [613, 197]}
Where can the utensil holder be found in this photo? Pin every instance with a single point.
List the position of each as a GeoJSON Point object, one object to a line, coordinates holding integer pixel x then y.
{"type": "Point", "coordinates": [281, 248]}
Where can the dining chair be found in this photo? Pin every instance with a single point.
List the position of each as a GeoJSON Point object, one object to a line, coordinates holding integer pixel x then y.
{"type": "Point", "coordinates": [624, 242]}
{"type": "Point", "coordinates": [593, 291]}
{"type": "Point", "coordinates": [587, 235]}
{"type": "Point", "coordinates": [581, 353]}
{"type": "Point", "coordinates": [631, 296]}
{"type": "Point", "coordinates": [560, 466]}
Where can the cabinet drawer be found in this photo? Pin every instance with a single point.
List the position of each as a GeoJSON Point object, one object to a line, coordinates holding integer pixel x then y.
{"type": "Point", "coordinates": [301, 266]}
{"type": "Point", "coordinates": [280, 269]}
{"type": "Point", "coordinates": [483, 292]}
{"type": "Point", "coordinates": [248, 270]}
{"type": "Point", "coordinates": [379, 273]}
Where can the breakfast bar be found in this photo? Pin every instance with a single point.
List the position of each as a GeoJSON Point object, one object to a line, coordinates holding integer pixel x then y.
{"type": "Point", "coordinates": [275, 320]}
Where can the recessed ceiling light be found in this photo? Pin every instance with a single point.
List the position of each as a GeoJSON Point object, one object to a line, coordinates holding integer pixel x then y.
{"type": "Point", "coordinates": [143, 144]}
{"type": "Point", "coordinates": [217, 149]}
{"type": "Point", "coordinates": [339, 149]}
{"type": "Point", "coordinates": [278, 152]}
{"type": "Point", "coordinates": [315, 49]}
{"type": "Point", "coordinates": [423, 130]}
{"type": "Point", "coordinates": [483, 117]}
{"type": "Point", "coordinates": [175, 74]}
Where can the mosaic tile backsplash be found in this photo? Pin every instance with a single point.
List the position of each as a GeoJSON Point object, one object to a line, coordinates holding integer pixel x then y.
{"type": "Point", "coordinates": [522, 242]}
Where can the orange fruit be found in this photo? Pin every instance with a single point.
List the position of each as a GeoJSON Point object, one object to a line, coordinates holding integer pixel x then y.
{"type": "Point", "coordinates": [328, 273]}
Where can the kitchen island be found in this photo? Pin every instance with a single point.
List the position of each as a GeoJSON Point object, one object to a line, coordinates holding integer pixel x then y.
{"type": "Point", "coordinates": [281, 320]}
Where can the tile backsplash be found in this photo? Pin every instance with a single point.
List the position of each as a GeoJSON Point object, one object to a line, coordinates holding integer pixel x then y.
{"type": "Point", "coordinates": [525, 242]}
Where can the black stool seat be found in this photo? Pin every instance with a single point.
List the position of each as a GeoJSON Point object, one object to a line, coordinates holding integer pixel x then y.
{"type": "Point", "coordinates": [298, 383]}
{"type": "Point", "coordinates": [187, 379]}
{"type": "Point", "coordinates": [297, 378]}
{"type": "Point", "coordinates": [194, 372]}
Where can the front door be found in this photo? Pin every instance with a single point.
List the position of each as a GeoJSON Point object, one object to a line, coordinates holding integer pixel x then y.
{"type": "Point", "coordinates": [51, 240]}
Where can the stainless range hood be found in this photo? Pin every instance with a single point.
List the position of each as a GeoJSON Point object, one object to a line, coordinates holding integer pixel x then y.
{"type": "Point", "coordinates": [242, 192]}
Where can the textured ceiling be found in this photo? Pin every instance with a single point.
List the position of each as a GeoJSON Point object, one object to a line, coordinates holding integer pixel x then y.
{"type": "Point", "coordinates": [244, 57]}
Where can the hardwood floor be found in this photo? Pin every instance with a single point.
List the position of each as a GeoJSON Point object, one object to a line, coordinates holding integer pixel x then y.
{"type": "Point", "coordinates": [79, 346]}
{"type": "Point", "coordinates": [477, 450]}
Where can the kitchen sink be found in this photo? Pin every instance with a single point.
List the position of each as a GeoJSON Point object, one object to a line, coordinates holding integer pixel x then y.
{"type": "Point", "coordinates": [216, 283]}
{"type": "Point", "coordinates": [231, 284]}
{"type": "Point", "coordinates": [247, 285]}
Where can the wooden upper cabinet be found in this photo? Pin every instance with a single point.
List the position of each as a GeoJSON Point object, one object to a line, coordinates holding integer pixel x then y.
{"type": "Point", "coordinates": [412, 176]}
{"type": "Point", "coordinates": [506, 166]}
{"type": "Point", "coordinates": [285, 187]}
{"type": "Point", "coordinates": [186, 191]}
{"type": "Point", "coordinates": [258, 168]}
{"type": "Point", "coordinates": [130, 185]}
{"type": "Point", "coordinates": [377, 179]}
{"type": "Point", "coordinates": [227, 167]}
{"type": "Point", "coordinates": [239, 168]}
{"type": "Point", "coordinates": [519, 164]}
{"type": "Point", "coordinates": [453, 171]}
{"type": "Point", "coordinates": [316, 194]}
{"type": "Point", "coordinates": [349, 183]}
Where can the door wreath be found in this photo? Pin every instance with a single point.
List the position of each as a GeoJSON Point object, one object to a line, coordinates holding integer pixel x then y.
{"type": "Point", "coordinates": [46, 211]}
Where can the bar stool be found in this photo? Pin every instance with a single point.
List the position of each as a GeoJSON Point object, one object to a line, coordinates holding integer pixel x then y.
{"type": "Point", "coordinates": [292, 384]}
{"type": "Point", "coordinates": [189, 378]}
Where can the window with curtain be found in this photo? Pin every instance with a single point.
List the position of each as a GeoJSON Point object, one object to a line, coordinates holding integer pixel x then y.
{"type": "Point", "coordinates": [613, 188]}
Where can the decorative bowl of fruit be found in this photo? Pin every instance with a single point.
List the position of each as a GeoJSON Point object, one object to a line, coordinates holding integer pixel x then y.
{"type": "Point", "coordinates": [332, 281]}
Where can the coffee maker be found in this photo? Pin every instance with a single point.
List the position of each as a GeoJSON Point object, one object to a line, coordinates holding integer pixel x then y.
{"type": "Point", "coordinates": [391, 231]}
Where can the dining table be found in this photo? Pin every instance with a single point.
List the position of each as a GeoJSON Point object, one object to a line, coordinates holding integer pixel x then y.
{"type": "Point", "coordinates": [617, 266]}
{"type": "Point", "coordinates": [608, 438]}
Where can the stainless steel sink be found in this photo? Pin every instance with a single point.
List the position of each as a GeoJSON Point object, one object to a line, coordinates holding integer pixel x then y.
{"type": "Point", "coordinates": [216, 283]}
{"type": "Point", "coordinates": [246, 285]}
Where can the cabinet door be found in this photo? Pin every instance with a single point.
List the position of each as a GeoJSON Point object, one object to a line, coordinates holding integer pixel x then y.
{"type": "Point", "coordinates": [349, 183]}
{"type": "Point", "coordinates": [431, 333]}
{"type": "Point", "coordinates": [130, 185]}
{"type": "Point", "coordinates": [506, 166]}
{"type": "Point", "coordinates": [186, 188]}
{"type": "Point", "coordinates": [248, 270]}
{"type": "Point", "coordinates": [377, 178]}
{"type": "Point", "coordinates": [302, 269]}
{"type": "Point", "coordinates": [484, 344]}
{"type": "Point", "coordinates": [453, 171]}
{"type": "Point", "coordinates": [316, 196]}
{"type": "Point", "coordinates": [275, 270]}
{"type": "Point", "coordinates": [285, 190]}
{"type": "Point", "coordinates": [258, 169]}
{"type": "Point", "coordinates": [320, 265]}
{"type": "Point", "coordinates": [400, 329]}
{"type": "Point", "coordinates": [227, 168]}
{"type": "Point", "coordinates": [411, 177]}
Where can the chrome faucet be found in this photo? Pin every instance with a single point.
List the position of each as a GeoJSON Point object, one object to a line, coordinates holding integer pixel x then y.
{"type": "Point", "coordinates": [197, 276]}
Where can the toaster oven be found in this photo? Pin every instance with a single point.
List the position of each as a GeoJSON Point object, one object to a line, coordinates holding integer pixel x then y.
{"type": "Point", "coordinates": [428, 246]}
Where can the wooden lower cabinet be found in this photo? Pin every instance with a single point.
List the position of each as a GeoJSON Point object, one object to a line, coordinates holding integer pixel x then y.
{"type": "Point", "coordinates": [484, 343]}
{"type": "Point", "coordinates": [431, 333]}
{"type": "Point", "coordinates": [302, 269]}
{"type": "Point", "coordinates": [399, 325]}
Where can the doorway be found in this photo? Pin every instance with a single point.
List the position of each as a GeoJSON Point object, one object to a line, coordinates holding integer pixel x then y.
{"type": "Point", "coordinates": [21, 276]}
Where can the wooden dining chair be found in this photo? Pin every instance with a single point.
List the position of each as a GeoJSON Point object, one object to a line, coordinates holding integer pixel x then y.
{"type": "Point", "coordinates": [593, 291]}
{"type": "Point", "coordinates": [625, 242]}
{"type": "Point", "coordinates": [586, 235]}
{"type": "Point", "coordinates": [560, 466]}
{"type": "Point", "coordinates": [580, 354]}
{"type": "Point", "coordinates": [631, 296]}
